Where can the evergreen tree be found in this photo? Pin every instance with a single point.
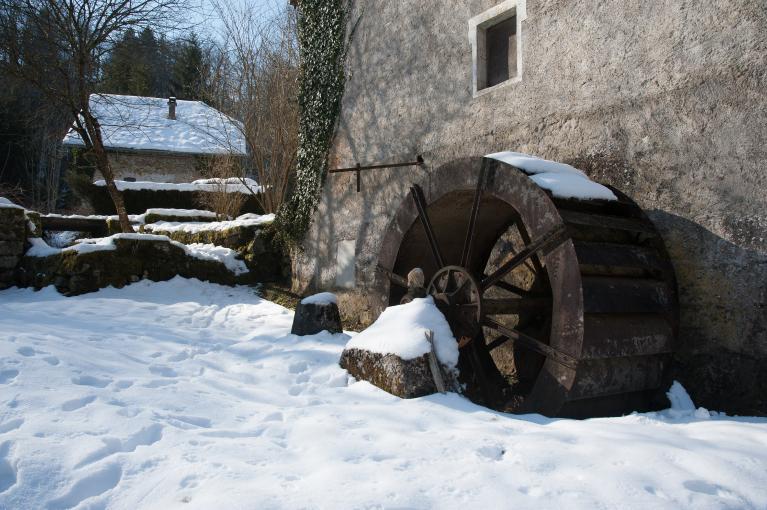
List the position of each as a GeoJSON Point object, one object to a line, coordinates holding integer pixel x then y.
{"type": "Point", "coordinates": [187, 80]}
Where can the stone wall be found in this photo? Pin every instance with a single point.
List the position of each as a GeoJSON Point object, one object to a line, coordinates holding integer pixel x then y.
{"type": "Point", "coordinates": [155, 166]}
{"type": "Point", "coordinates": [130, 261]}
{"type": "Point", "coordinates": [13, 229]}
{"type": "Point", "coordinates": [664, 100]}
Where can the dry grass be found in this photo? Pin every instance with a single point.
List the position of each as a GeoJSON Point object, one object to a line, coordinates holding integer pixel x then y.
{"type": "Point", "coordinates": [221, 200]}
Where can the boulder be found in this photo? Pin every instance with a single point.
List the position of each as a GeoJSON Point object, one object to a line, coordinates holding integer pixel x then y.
{"type": "Point", "coordinates": [404, 378]}
{"type": "Point", "coordinates": [315, 314]}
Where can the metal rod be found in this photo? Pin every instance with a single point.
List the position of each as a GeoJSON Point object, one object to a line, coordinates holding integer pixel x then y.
{"type": "Point", "coordinates": [357, 167]}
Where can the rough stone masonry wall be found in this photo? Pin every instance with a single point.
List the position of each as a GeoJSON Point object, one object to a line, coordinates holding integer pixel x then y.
{"type": "Point", "coordinates": [13, 228]}
{"type": "Point", "coordinates": [664, 100]}
{"type": "Point", "coordinates": [155, 167]}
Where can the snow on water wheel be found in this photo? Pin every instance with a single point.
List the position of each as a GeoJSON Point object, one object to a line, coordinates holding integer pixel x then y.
{"type": "Point", "coordinates": [562, 307]}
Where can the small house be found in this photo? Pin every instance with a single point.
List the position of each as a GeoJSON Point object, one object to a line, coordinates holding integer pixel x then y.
{"type": "Point", "coordinates": [161, 140]}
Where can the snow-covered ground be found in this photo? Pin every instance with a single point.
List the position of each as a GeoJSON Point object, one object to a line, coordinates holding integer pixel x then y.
{"type": "Point", "coordinates": [190, 395]}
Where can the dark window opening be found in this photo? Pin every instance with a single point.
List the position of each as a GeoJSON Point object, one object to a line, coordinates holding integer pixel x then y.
{"type": "Point", "coordinates": [501, 44]}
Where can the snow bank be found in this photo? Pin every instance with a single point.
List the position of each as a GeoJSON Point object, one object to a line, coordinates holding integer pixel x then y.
{"type": "Point", "coordinates": [140, 218]}
{"type": "Point", "coordinates": [61, 239]}
{"type": "Point", "coordinates": [228, 187]}
{"type": "Point", "coordinates": [182, 394]}
{"type": "Point", "coordinates": [564, 181]}
{"type": "Point", "coordinates": [323, 298]}
{"type": "Point", "coordinates": [142, 123]}
{"type": "Point", "coordinates": [7, 204]}
{"type": "Point", "coordinates": [40, 248]}
{"type": "Point", "coordinates": [191, 227]}
{"type": "Point", "coordinates": [400, 330]}
{"type": "Point", "coordinates": [682, 405]}
{"type": "Point", "coordinates": [227, 257]}
{"type": "Point", "coordinates": [181, 213]}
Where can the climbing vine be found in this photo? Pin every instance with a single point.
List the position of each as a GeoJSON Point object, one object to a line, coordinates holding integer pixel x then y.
{"type": "Point", "coordinates": [322, 38]}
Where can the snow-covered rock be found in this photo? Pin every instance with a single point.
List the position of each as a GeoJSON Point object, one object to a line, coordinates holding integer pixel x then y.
{"type": "Point", "coordinates": [190, 227]}
{"type": "Point", "coordinates": [393, 352]}
{"type": "Point", "coordinates": [7, 204]}
{"type": "Point", "coordinates": [317, 313]}
{"type": "Point", "coordinates": [400, 329]}
{"type": "Point", "coordinates": [323, 298]}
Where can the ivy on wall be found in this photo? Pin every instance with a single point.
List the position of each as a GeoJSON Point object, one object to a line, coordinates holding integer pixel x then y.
{"type": "Point", "coordinates": [323, 42]}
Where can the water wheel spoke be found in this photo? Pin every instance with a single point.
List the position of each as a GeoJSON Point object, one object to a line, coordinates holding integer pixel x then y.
{"type": "Point", "coordinates": [545, 243]}
{"type": "Point", "coordinates": [529, 342]}
{"type": "Point", "coordinates": [420, 203]}
{"type": "Point", "coordinates": [498, 342]}
{"type": "Point", "coordinates": [393, 277]}
{"type": "Point", "coordinates": [513, 306]}
{"type": "Point", "coordinates": [511, 288]}
{"type": "Point", "coordinates": [468, 242]}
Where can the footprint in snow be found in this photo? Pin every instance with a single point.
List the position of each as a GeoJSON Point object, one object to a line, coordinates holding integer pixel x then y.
{"type": "Point", "coordinates": [276, 416]}
{"type": "Point", "coordinates": [188, 482]}
{"type": "Point", "coordinates": [7, 376]}
{"type": "Point", "coordinates": [8, 475]}
{"type": "Point", "coordinates": [26, 351]}
{"type": "Point", "coordinates": [144, 437]}
{"type": "Point", "coordinates": [159, 383]}
{"type": "Point", "coordinates": [180, 356]}
{"type": "Point", "coordinates": [297, 368]}
{"type": "Point", "coordinates": [77, 403]}
{"type": "Point", "coordinates": [123, 384]}
{"type": "Point", "coordinates": [89, 380]}
{"type": "Point", "coordinates": [491, 452]}
{"type": "Point", "coordinates": [92, 485]}
{"type": "Point", "coordinates": [51, 360]}
{"type": "Point", "coordinates": [163, 371]}
{"type": "Point", "coordinates": [11, 425]}
{"type": "Point", "coordinates": [186, 422]}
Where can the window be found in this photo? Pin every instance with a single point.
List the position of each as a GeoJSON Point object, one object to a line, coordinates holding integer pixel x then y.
{"type": "Point", "coordinates": [501, 51]}
{"type": "Point", "coordinates": [495, 39]}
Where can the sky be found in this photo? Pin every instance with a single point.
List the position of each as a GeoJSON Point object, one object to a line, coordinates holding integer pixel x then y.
{"type": "Point", "coordinates": [205, 21]}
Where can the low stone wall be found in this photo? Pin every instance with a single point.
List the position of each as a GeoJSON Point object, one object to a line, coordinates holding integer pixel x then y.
{"type": "Point", "coordinates": [138, 201]}
{"type": "Point", "coordinates": [132, 260]}
{"type": "Point", "coordinates": [13, 234]}
{"type": "Point", "coordinates": [254, 244]}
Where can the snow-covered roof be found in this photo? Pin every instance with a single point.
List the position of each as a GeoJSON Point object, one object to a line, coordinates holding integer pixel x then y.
{"type": "Point", "coordinates": [142, 123]}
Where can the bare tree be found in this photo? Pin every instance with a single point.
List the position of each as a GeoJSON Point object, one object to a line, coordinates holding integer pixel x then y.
{"type": "Point", "coordinates": [256, 73]}
{"type": "Point", "coordinates": [80, 32]}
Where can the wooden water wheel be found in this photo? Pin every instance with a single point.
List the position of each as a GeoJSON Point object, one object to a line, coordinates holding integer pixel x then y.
{"type": "Point", "coordinates": [562, 307]}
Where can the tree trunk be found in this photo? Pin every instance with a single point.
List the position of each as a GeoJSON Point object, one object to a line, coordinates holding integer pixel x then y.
{"type": "Point", "coordinates": [102, 164]}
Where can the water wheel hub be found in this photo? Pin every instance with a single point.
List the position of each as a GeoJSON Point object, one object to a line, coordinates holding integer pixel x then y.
{"type": "Point", "coordinates": [457, 294]}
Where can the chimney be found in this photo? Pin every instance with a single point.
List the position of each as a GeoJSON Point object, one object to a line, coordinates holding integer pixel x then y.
{"type": "Point", "coordinates": [172, 108]}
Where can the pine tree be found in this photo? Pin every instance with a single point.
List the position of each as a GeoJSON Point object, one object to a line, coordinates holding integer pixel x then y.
{"type": "Point", "coordinates": [187, 80]}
